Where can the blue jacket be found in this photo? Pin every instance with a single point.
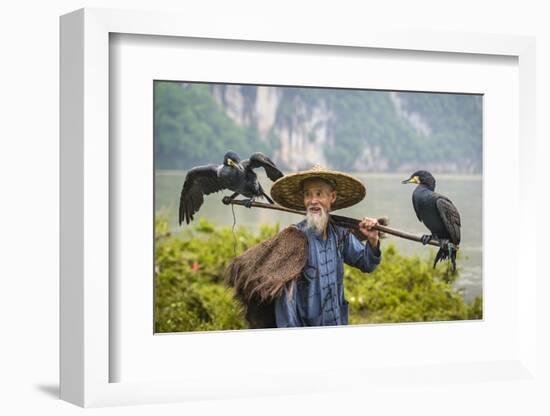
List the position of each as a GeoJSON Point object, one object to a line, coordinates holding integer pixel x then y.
{"type": "Point", "coordinates": [317, 297]}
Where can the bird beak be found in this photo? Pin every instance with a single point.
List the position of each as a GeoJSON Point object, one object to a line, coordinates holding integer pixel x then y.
{"type": "Point", "coordinates": [412, 179]}
{"type": "Point", "coordinates": [231, 162]}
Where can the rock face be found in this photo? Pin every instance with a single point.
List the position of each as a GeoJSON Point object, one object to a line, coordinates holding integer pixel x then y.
{"type": "Point", "coordinates": [267, 102]}
{"type": "Point", "coordinates": [248, 105]}
{"type": "Point", "coordinates": [371, 159]}
{"type": "Point", "coordinates": [414, 118]}
{"type": "Point", "coordinates": [300, 127]}
{"type": "Point", "coordinates": [302, 134]}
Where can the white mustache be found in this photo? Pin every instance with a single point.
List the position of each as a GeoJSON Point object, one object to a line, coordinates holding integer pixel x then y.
{"type": "Point", "coordinates": [315, 207]}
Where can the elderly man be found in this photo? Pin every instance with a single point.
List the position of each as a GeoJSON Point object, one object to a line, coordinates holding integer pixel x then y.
{"type": "Point", "coordinates": [317, 297]}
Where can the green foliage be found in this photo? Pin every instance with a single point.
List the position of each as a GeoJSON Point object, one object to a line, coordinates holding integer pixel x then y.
{"type": "Point", "coordinates": [190, 128]}
{"type": "Point", "coordinates": [406, 289]}
{"type": "Point", "coordinates": [189, 291]}
{"type": "Point", "coordinates": [456, 124]}
{"type": "Point", "coordinates": [190, 294]}
{"type": "Point", "coordinates": [370, 119]}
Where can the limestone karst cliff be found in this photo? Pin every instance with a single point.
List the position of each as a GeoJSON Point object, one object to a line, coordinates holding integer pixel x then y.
{"type": "Point", "coordinates": [347, 129]}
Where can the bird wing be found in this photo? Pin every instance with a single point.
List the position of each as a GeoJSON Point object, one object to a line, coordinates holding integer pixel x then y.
{"type": "Point", "coordinates": [416, 208]}
{"type": "Point", "coordinates": [201, 180]}
{"type": "Point", "coordinates": [450, 217]}
{"type": "Point", "coordinates": [258, 160]}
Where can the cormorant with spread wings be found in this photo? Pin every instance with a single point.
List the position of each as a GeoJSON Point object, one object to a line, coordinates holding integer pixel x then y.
{"type": "Point", "coordinates": [236, 175]}
{"type": "Point", "coordinates": [438, 213]}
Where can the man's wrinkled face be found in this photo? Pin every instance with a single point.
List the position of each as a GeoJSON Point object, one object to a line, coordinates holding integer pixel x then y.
{"type": "Point", "coordinates": [318, 199]}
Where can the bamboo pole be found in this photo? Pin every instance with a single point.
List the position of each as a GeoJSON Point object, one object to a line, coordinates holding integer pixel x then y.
{"type": "Point", "coordinates": [342, 221]}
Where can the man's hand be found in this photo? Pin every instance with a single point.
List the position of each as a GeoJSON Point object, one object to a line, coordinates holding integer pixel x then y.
{"type": "Point", "coordinates": [365, 226]}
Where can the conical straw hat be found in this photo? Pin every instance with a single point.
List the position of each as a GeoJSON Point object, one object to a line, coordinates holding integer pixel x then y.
{"type": "Point", "coordinates": [288, 192]}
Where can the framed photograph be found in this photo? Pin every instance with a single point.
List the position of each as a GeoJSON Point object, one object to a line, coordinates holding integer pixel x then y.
{"type": "Point", "coordinates": [372, 138]}
{"type": "Point", "coordinates": [129, 331]}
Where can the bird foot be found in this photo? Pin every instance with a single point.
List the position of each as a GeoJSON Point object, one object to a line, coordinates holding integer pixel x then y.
{"type": "Point", "coordinates": [443, 243]}
{"type": "Point", "coordinates": [426, 238]}
{"type": "Point", "coordinates": [450, 247]}
{"type": "Point", "coordinates": [447, 246]}
{"type": "Point", "coordinates": [248, 203]}
{"type": "Point", "coordinates": [227, 200]}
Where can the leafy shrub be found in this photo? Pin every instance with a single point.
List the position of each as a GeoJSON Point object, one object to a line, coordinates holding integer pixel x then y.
{"type": "Point", "coordinates": [405, 289]}
{"type": "Point", "coordinates": [190, 294]}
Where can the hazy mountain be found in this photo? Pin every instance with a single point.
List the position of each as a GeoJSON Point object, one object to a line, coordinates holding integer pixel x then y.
{"type": "Point", "coordinates": [344, 129]}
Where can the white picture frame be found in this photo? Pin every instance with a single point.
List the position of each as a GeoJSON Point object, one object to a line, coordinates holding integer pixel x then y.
{"type": "Point", "coordinates": [86, 354]}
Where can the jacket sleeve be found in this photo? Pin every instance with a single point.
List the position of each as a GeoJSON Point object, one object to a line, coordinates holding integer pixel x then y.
{"type": "Point", "coordinates": [359, 255]}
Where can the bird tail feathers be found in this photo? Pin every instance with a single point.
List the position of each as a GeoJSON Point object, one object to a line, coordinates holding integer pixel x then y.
{"type": "Point", "coordinates": [445, 253]}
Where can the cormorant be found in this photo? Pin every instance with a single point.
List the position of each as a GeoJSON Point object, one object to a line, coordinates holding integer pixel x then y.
{"type": "Point", "coordinates": [438, 213]}
{"type": "Point", "coordinates": [233, 174]}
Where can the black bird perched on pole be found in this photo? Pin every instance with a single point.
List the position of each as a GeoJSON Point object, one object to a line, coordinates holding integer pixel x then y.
{"type": "Point", "coordinates": [233, 174]}
{"type": "Point", "coordinates": [438, 213]}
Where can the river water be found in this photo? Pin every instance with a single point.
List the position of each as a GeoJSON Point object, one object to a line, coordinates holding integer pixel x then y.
{"type": "Point", "coordinates": [386, 196]}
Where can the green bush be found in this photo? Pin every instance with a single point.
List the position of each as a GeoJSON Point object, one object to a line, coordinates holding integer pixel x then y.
{"type": "Point", "coordinates": [405, 289]}
{"type": "Point", "coordinates": [190, 294]}
{"type": "Point", "coordinates": [189, 291]}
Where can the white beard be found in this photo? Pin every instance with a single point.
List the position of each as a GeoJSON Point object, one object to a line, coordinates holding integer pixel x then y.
{"type": "Point", "coordinates": [317, 222]}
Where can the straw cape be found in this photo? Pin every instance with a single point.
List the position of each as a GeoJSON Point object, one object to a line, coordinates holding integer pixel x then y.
{"type": "Point", "coordinates": [287, 191]}
{"type": "Point", "coordinates": [261, 272]}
